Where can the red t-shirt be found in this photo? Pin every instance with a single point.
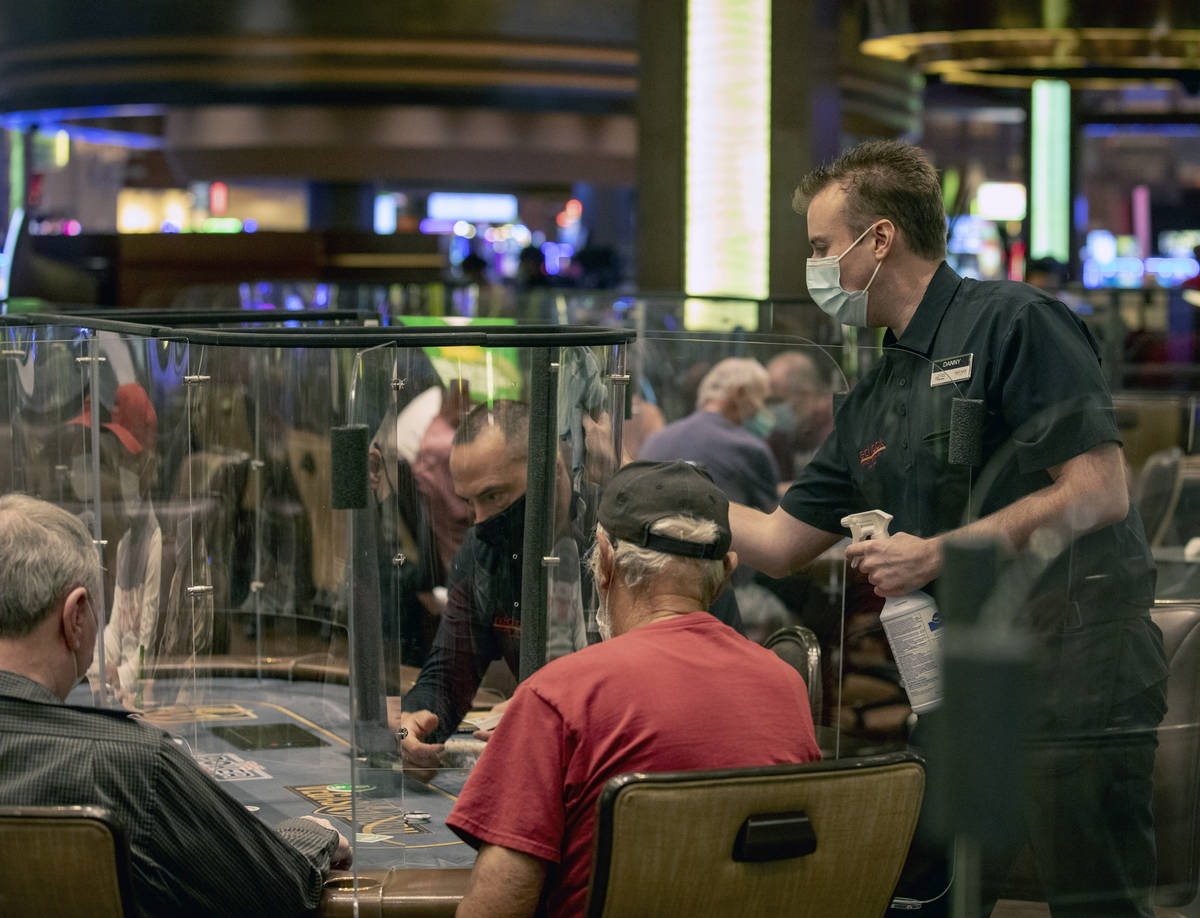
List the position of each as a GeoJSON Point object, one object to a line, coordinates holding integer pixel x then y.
{"type": "Point", "coordinates": [684, 693]}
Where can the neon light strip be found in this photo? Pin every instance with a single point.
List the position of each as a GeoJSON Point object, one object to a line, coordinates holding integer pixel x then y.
{"type": "Point", "coordinates": [16, 171]}
{"type": "Point", "coordinates": [1141, 219]}
{"type": "Point", "coordinates": [1050, 170]}
{"type": "Point", "coordinates": [727, 169]}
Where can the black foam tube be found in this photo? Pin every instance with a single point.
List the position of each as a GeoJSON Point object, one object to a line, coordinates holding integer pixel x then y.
{"type": "Point", "coordinates": [539, 491]}
{"type": "Point", "coordinates": [349, 447]}
{"type": "Point", "coordinates": [966, 431]}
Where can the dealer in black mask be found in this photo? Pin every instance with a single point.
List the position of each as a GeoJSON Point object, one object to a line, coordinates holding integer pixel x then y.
{"type": "Point", "coordinates": [482, 618]}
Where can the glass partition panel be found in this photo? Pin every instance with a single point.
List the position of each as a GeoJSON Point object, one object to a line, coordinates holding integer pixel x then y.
{"type": "Point", "coordinates": [452, 500]}
{"type": "Point", "coordinates": [250, 663]}
{"type": "Point", "coordinates": [755, 411]}
{"type": "Point", "coordinates": [1050, 761]}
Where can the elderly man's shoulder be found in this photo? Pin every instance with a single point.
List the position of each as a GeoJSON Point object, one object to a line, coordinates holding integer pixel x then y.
{"type": "Point", "coordinates": [700, 638]}
{"type": "Point", "coordinates": [88, 723]}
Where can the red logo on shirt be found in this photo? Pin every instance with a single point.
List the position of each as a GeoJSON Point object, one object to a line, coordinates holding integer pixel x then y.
{"type": "Point", "coordinates": [867, 457]}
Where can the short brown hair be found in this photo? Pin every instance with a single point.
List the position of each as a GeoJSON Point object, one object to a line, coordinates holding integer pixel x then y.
{"type": "Point", "coordinates": [885, 179]}
{"type": "Point", "coordinates": [509, 417]}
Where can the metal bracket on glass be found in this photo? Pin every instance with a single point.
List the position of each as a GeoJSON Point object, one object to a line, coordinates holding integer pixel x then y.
{"type": "Point", "coordinates": [199, 590]}
{"type": "Point", "coordinates": [100, 542]}
{"type": "Point", "coordinates": [195, 380]}
{"type": "Point", "coordinates": [620, 377]}
{"type": "Point", "coordinates": [256, 585]}
{"type": "Point", "coordinates": [8, 352]}
{"type": "Point", "coordinates": [399, 559]}
{"type": "Point", "coordinates": [398, 384]}
{"type": "Point", "coordinates": [550, 561]}
{"type": "Point", "coordinates": [257, 465]}
{"type": "Point", "coordinates": [96, 359]}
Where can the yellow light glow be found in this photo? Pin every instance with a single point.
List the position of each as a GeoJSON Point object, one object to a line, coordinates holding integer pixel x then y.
{"type": "Point", "coordinates": [148, 210]}
{"type": "Point", "coordinates": [727, 160]}
{"type": "Point", "coordinates": [720, 316]}
{"type": "Point", "coordinates": [62, 149]}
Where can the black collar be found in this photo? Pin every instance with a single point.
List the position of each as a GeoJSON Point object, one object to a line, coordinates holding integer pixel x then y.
{"type": "Point", "coordinates": [918, 336]}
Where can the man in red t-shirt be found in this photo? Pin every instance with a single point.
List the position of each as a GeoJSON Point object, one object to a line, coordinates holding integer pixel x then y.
{"type": "Point", "coordinates": [673, 689]}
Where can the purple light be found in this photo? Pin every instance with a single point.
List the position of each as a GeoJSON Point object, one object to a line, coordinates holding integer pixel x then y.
{"type": "Point", "coordinates": [431, 227]}
{"type": "Point", "coordinates": [250, 225]}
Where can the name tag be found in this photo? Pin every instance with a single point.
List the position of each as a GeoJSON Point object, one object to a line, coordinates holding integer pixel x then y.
{"type": "Point", "coordinates": [951, 369]}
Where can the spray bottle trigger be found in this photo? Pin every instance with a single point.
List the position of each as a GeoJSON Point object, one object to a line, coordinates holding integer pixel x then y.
{"type": "Point", "coordinates": [868, 524]}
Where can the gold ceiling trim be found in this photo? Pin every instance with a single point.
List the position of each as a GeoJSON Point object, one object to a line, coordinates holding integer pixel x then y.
{"type": "Point", "coordinates": [283, 46]}
{"type": "Point", "coordinates": [229, 73]}
{"type": "Point", "coordinates": [987, 57]}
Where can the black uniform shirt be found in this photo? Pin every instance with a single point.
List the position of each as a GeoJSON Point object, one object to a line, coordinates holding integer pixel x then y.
{"type": "Point", "coordinates": [1037, 370]}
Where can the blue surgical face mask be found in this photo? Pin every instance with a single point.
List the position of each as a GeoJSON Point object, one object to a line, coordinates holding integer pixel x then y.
{"type": "Point", "coordinates": [824, 277]}
{"type": "Point", "coordinates": [761, 424]}
{"type": "Point", "coordinates": [785, 418]}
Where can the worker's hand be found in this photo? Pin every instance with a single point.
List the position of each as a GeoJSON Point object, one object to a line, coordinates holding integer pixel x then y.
{"type": "Point", "coordinates": [496, 711]}
{"type": "Point", "coordinates": [421, 759]}
{"type": "Point", "coordinates": [896, 564]}
{"type": "Point", "coordinates": [343, 856]}
{"type": "Point", "coordinates": [600, 461]}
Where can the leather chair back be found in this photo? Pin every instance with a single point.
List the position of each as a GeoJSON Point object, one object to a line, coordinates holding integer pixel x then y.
{"type": "Point", "coordinates": [63, 862]}
{"type": "Point", "coordinates": [807, 841]}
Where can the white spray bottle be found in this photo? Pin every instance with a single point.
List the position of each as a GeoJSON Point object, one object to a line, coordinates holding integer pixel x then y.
{"type": "Point", "coordinates": [911, 623]}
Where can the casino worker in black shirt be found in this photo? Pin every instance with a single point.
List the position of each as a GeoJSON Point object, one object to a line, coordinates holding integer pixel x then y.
{"type": "Point", "coordinates": [194, 849]}
{"type": "Point", "coordinates": [1052, 469]}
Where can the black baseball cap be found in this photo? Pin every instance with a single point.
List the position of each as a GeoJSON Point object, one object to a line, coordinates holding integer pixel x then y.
{"type": "Point", "coordinates": [642, 493]}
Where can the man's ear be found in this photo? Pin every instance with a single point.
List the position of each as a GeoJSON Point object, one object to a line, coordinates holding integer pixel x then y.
{"type": "Point", "coordinates": [605, 567]}
{"type": "Point", "coordinates": [74, 615]}
{"type": "Point", "coordinates": [883, 237]}
{"type": "Point", "coordinates": [730, 563]}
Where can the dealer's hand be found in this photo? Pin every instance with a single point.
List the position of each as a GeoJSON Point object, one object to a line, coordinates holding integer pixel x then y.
{"type": "Point", "coordinates": [496, 710]}
{"type": "Point", "coordinates": [897, 564]}
{"type": "Point", "coordinates": [343, 857]}
{"type": "Point", "coordinates": [421, 759]}
{"type": "Point", "coordinates": [600, 461]}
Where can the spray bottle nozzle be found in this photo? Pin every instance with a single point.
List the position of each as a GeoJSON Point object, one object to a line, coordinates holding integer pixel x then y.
{"type": "Point", "coordinates": [868, 524]}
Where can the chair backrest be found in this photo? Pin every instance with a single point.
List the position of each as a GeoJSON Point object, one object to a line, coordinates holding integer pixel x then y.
{"type": "Point", "coordinates": [798, 646]}
{"type": "Point", "coordinates": [63, 862]}
{"type": "Point", "coordinates": [1177, 764]}
{"type": "Point", "coordinates": [819, 839]}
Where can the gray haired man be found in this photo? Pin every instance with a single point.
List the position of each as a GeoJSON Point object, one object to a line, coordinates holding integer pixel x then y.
{"type": "Point", "coordinates": [188, 839]}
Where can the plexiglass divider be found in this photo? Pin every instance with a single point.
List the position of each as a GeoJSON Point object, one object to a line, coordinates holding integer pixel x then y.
{"type": "Point", "coordinates": [227, 445]}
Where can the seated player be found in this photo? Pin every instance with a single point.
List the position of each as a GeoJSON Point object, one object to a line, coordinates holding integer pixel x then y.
{"type": "Point", "coordinates": [673, 689]}
{"type": "Point", "coordinates": [482, 619]}
{"type": "Point", "coordinates": [194, 849]}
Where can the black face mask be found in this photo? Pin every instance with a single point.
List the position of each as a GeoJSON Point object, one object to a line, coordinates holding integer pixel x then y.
{"type": "Point", "coordinates": [505, 529]}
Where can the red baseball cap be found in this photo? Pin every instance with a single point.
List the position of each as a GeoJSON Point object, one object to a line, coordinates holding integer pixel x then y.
{"type": "Point", "coordinates": [134, 420]}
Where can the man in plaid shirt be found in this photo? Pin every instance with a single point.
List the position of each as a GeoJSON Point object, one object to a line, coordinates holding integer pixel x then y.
{"type": "Point", "coordinates": [194, 849]}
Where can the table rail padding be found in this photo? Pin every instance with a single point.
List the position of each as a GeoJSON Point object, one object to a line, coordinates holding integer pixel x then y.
{"type": "Point", "coordinates": [400, 893]}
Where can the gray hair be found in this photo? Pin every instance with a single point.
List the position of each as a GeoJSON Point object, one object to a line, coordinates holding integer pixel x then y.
{"type": "Point", "coordinates": [728, 375]}
{"type": "Point", "coordinates": [45, 552]}
{"type": "Point", "coordinates": [638, 566]}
